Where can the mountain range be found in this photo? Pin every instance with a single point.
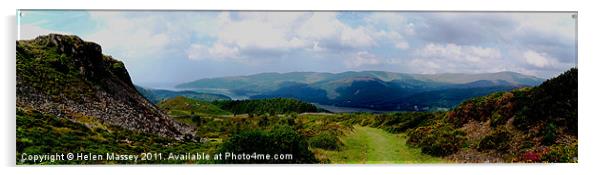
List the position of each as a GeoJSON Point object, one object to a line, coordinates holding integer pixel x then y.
{"type": "Point", "coordinates": [366, 89]}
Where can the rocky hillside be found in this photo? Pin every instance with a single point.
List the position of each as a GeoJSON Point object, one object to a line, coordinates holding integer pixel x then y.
{"type": "Point", "coordinates": [65, 76]}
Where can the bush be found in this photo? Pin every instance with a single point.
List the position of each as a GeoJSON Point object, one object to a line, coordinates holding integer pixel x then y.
{"type": "Point", "coordinates": [561, 154]}
{"type": "Point", "coordinates": [326, 140]}
{"type": "Point", "coordinates": [281, 139]}
{"type": "Point", "coordinates": [498, 140]}
{"type": "Point", "coordinates": [498, 120]}
{"type": "Point", "coordinates": [196, 119]}
{"type": "Point", "coordinates": [437, 140]}
{"type": "Point", "coordinates": [549, 134]}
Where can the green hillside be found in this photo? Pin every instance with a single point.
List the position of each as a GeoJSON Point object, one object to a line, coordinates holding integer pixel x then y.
{"type": "Point", "coordinates": [536, 124]}
{"type": "Point", "coordinates": [187, 106]}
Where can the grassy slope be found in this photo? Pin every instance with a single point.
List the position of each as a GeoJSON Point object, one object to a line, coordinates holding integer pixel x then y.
{"type": "Point", "coordinates": [371, 145]}
{"type": "Point", "coordinates": [184, 106]}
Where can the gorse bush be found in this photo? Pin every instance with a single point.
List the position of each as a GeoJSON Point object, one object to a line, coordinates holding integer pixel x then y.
{"type": "Point", "coordinates": [499, 140]}
{"type": "Point", "coordinates": [437, 140]}
{"type": "Point", "coordinates": [281, 139]}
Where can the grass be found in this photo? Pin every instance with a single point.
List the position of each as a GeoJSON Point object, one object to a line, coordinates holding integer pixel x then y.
{"type": "Point", "coordinates": [187, 106]}
{"type": "Point", "coordinates": [366, 145]}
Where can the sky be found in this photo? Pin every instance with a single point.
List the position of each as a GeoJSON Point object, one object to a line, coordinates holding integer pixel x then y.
{"type": "Point", "coordinates": [170, 47]}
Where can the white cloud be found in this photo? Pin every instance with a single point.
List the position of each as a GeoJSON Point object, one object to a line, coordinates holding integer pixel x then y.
{"type": "Point", "coordinates": [215, 52]}
{"type": "Point", "coordinates": [356, 38]}
{"type": "Point", "coordinates": [425, 66]}
{"type": "Point", "coordinates": [454, 58]}
{"type": "Point", "coordinates": [316, 47]}
{"type": "Point", "coordinates": [259, 30]}
{"type": "Point", "coordinates": [361, 59]}
{"type": "Point", "coordinates": [31, 31]}
{"type": "Point", "coordinates": [402, 45]}
{"type": "Point", "coordinates": [393, 37]}
{"type": "Point", "coordinates": [197, 52]}
{"type": "Point", "coordinates": [561, 25]}
{"type": "Point", "coordinates": [222, 51]}
{"type": "Point", "coordinates": [290, 30]}
{"type": "Point", "coordinates": [320, 25]}
{"type": "Point", "coordinates": [392, 20]}
{"type": "Point", "coordinates": [277, 33]}
{"type": "Point", "coordinates": [459, 52]}
{"type": "Point", "coordinates": [536, 59]}
{"type": "Point", "coordinates": [129, 38]}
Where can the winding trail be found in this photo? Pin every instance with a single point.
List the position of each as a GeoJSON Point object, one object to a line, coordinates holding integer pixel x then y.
{"type": "Point", "coordinates": [370, 145]}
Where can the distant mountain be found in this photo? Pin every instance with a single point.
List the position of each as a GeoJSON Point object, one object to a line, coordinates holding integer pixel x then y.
{"type": "Point", "coordinates": [367, 89]}
{"type": "Point", "coordinates": [509, 77]}
{"type": "Point", "coordinates": [157, 95]}
{"type": "Point", "coordinates": [64, 76]}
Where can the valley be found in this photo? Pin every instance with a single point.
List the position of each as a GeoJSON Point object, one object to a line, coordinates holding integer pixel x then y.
{"type": "Point", "coordinates": [72, 98]}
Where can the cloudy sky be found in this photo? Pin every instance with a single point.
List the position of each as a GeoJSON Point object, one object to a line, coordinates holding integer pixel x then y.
{"type": "Point", "coordinates": [179, 46]}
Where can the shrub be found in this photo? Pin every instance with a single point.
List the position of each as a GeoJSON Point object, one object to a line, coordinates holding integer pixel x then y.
{"type": "Point", "coordinates": [437, 140]}
{"type": "Point", "coordinates": [561, 154]}
{"type": "Point", "coordinates": [531, 156]}
{"type": "Point", "coordinates": [281, 139]}
{"type": "Point", "coordinates": [498, 140]}
{"type": "Point", "coordinates": [497, 120]}
{"type": "Point", "coordinates": [325, 140]}
{"type": "Point", "coordinates": [196, 119]}
{"type": "Point", "coordinates": [549, 134]}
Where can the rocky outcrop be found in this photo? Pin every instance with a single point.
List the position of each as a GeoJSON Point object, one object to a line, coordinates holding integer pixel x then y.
{"type": "Point", "coordinates": [66, 76]}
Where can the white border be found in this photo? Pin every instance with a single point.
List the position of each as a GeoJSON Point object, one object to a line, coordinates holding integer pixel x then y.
{"type": "Point", "coordinates": [589, 85]}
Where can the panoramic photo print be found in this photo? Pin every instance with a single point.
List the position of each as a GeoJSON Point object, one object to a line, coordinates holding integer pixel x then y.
{"type": "Point", "coordinates": [295, 87]}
